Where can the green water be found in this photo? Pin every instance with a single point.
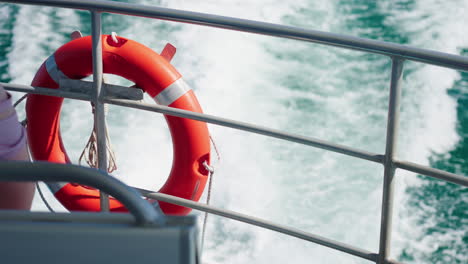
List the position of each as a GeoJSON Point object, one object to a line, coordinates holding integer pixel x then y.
{"type": "Point", "coordinates": [446, 204]}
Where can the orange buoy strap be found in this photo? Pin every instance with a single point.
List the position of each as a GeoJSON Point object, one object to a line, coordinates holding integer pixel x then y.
{"type": "Point", "coordinates": [52, 68]}
{"type": "Point", "coordinates": [173, 92]}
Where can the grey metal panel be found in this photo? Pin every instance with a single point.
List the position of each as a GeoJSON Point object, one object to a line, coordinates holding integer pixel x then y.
{"type": "Point", "coordinates": [332, 39]}
{"type": "Point", "coordinates": [62, 242]}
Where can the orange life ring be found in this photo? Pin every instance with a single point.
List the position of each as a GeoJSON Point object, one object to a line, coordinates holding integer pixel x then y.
{"type": "Point", "coordinates": [157, 77]}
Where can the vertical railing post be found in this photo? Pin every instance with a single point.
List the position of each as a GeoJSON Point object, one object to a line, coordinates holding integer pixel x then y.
{"type": "Point", "coordinates": [99, 113]}
{"type": "Point", "coordinates": [390, 150]}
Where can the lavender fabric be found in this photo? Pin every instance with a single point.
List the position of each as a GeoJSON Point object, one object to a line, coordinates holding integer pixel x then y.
{"type": "Point", "coordinates": [12, 133]}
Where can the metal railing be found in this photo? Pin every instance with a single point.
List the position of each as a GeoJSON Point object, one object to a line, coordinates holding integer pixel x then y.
{"type": "Point", "coordinates": [144, 213]}
{"type": "Point", "coordinates": [398, 54]}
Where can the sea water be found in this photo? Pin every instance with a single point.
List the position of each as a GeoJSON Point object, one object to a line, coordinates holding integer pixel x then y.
{"type": "Point", "coordinates": [308, 89]}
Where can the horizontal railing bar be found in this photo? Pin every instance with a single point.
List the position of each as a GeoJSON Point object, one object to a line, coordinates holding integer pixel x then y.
{"type": "Point", "coordinates": [250, 128]}
{"type": "Point", "coordinates": [263, 28]}
{"type": "Point", "coordinates": [439, 174]}
{"type": "Point", "coordinates": [46, 91]}
{"type": "Point", "coordinates": [25, 171]}
{"type": "Point", "coordinates": [77, 89]}
{"type": "Point", "coordinates": [262, 223]}
{"type": "Point", "coordinates": [206, 118]}
{"type": "Point", "coordinates": [435, 173]}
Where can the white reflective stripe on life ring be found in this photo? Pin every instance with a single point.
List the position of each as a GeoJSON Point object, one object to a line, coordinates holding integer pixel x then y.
{"type": "Point", "coordinates": [172, 92]}
{"type": "Point", "coordinates": [54, 187]}
{"type": "Point", "coordinates": [55, 73]}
